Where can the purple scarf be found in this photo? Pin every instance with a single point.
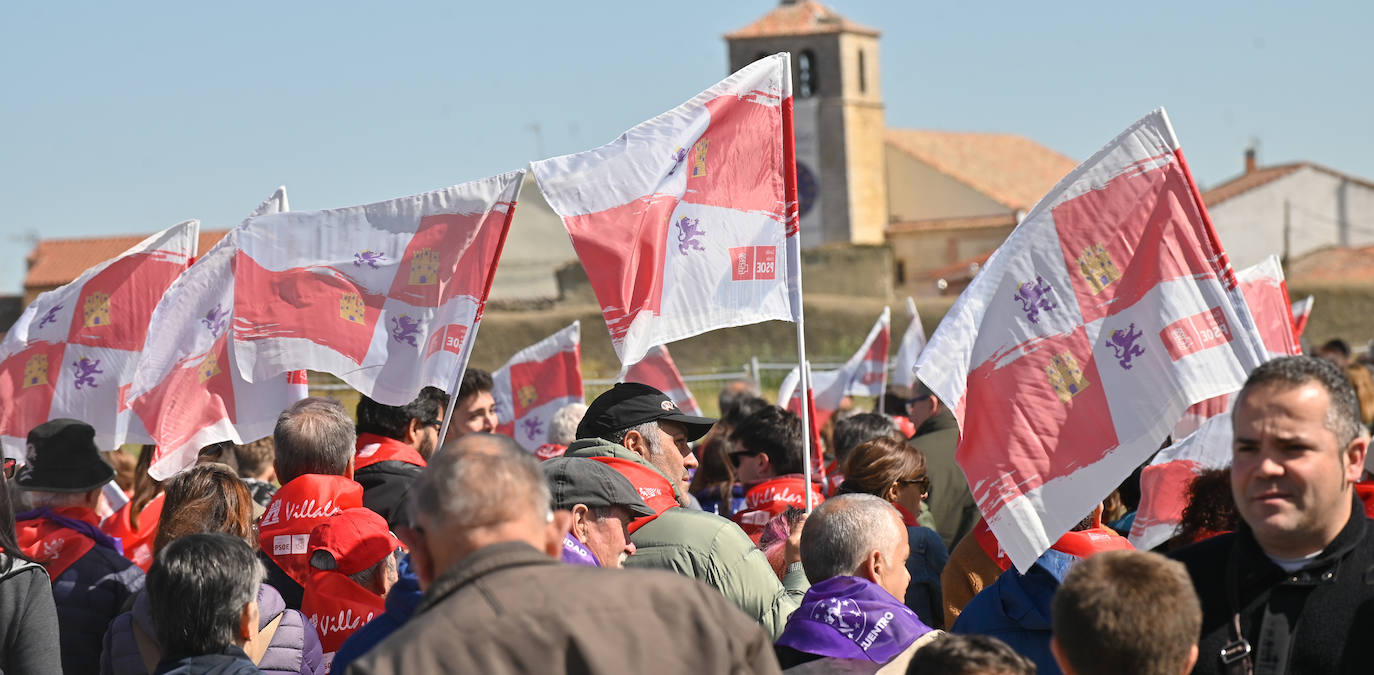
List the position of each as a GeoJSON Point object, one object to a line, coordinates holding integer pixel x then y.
{"type": "Point", "coordinates": [575, 553]}
{"type": "Point", "coordinates": [81, 526]}
{"type": "Point", "coordinates": [852, 618]}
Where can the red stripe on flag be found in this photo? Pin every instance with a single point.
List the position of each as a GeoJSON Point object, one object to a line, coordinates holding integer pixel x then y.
{"type": "Point", "coordinates": [1042, 416]}
{"type": "Point", "coordinates": [448, 257]}
{"type": "Point", "coordinates": [323, 307]}
{"type": "Point", "coordinates": [736, 163]}
{"type": "Point", "coordinates": [115, 305]}
{"type": "Point", "coordinates": [1167, 487]}
{"type": "Point", "coordinates": [1269, 306]}
{"type": "Point", "coordinates": [27, 380]}
{"type": "Point", "coordinates": [534, 383]}
{"type": "Point", "coordinates": [623, 251]}
{"type": "Point", "coordinates": [192, 397]}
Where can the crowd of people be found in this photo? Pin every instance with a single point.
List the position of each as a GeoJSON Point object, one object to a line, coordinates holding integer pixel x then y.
{"type": "Point", "coordinates": [641, 539]}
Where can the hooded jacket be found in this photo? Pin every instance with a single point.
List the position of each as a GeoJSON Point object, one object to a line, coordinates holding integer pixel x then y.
{"type": "Point", "coordinates": [28, 619]}
{"type": "Point", "coordinates": [709, 548]}
{"type": "Point", "coordinates": [386, 468]}
{"type": "Point", "coordinates": [1016, 609]}
{"type": "Point", "coordinates": [295, 648]}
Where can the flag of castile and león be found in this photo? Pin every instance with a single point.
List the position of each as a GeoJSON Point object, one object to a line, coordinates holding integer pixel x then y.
{"type": "Point", "coordinates": [688, 222]}
{"type": "Point", "coordinates": [1107, 312]}
{"type": "Point", "coordinates": [387, 297]}
{"type": "Point", "coordinates": [536, 383]}
{"type": "Point", "coordinates": [74, 350]}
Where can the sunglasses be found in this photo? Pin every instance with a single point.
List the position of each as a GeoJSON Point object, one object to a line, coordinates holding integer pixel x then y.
{"type": "Point", "coordinates": [735, 458]}
{"type": "Point", "coordinates": [922, 483]}
{"type": "Point", "coordinates": [10, 463]}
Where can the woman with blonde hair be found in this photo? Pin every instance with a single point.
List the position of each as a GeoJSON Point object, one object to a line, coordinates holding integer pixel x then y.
{"type": "Point", "coordinates": [896, 471]}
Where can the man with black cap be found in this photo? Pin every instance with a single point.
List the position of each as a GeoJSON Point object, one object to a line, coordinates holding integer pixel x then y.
{"type": "Point", "coordinates": [603, 503]}
{"type": "Point", "coordinates": [91, 578]}
{"type": "Point", "coordinates": [638, 431]}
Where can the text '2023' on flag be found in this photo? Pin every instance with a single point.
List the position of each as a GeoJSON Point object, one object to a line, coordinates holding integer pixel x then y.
{"type": "Point", "coordinates": [188, 391]}
{"type": "Point", "coordinates": [658, 370]}
{"type": "Point", "coordinates": [387, 297]}
{"type": "Point", "coordinates": [1107, 312]}
{"type": "Point", "coordinates": [74, 350]}
{"type": "Point", "coordinates": [687, 222]}
{"type": "Point", "coordinates": [536, 383]}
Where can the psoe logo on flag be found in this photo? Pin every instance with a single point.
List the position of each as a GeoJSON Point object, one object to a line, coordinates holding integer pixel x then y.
{"type": "Point", "coordinates": [1195, 333]}
{"type": "Point", "coordinates": [751, 263]}
{"type": "Point", "coordinates": [1066, 376]}
{"type": "Point", "coordinates": [448, 338]}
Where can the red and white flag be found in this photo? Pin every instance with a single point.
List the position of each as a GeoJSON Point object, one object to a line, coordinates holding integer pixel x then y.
{"type": "Point", "coordinates": [688, 222]}
{"type": "Point", "coordinates": [536, 383]}
{"type": "Point", "coordinates": [74, 350]}
{"type": "Point", "coordinates": [657, 370]}
{"type": "Point", "coordinates": [386, 296]}
{"type": "Point", "coordinates": [1107, 312]}
{"type": "Point", "coordinates": [828, 389]}
{"type": "Point", "coordinates": [1302, 310]}
{"type": "Point", "coordinates": [188, 391]}
{"type": "Point", "coordinates": [913, 341]}
{"type": "Point", "coordinates": [868, 367]}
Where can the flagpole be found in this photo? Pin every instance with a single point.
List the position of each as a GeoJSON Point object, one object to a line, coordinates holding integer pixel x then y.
{"type": "Point", "coordinates": [792, 214]}
{"type": "Point", "coordinates": [882, 393]}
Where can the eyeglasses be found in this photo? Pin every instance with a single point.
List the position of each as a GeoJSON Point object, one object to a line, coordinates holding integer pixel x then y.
{"type": "Point", "coordinates": [437, 424]}
{"type": "Point", "coordinates": [922, 483]}
{"type": "Point", "coordinates": [10, 463]}
{"type": "Point", "coordinates": [735, 457]}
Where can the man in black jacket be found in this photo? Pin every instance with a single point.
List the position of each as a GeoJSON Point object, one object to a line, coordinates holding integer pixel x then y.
{"type": "Point", "coordinates": [394, 444]}
{"type": "Point", "coordinates": [1292, 589]}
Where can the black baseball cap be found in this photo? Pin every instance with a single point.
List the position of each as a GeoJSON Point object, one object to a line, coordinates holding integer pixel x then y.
{"type": "Point", "coordinates": [630, 404]}
{"type": "Point", "coordinates": [578, 480]}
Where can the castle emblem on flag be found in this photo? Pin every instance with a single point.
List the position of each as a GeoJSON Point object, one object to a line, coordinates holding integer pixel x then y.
{"type": "Point", "coordinates": [217, 319]}
{"type": "Point", "coordinates": [97, 309]}
{"type": "Point", "coordinates": [678, 155]}
{"type": "Point", "coordinates": [534, 429]}
{"type": "Point", "coordinates": [404, 329]}
{"type": "Point", "coordinates": [36, 370]}
{"type": "Point", "coordinates": [699, 159]}
{"type": "Point", "coordinates": [424, 267]}
{"type": "Point", "coordinates": [527, 395]}
{"type": "Point", "coordinates": [1035, 298]}
{"type": "Point", "coordinates": [351, 307]}
{"type": "Point", "coordinates": [688, 235]}
{"type": "Point", "coordinates": [85, 370]}
{"type": "Point", "coordinates": [50, 316]}
{"type": "Point", "coordinates": [1066, 376]}
{"type": "Point", "coordinates": [1123, 342]}
{"type": "Point", "coordinates": [366, 257]}
{"type": "Point", "coordinates": [1097, 267]}
{"type": "Point", "coordinates": [208, 368]}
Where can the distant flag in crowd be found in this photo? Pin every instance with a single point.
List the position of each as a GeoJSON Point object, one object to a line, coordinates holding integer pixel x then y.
{"type": "Point", "coordinates": [537, 382]}
{"type": "Point", "coordinates": [869, 373]}
{"type": "Point", "coordinates": [657, 370]}
{"type": "Point", "coordinates": [188, 391]}
{"type": "Point", "coordinates": [276, 203]}
{"type": "Point", "coordinates": [861, 375]}
{"type": "Point", "coordinates": [387, 297]}
{"type": "Point", "coordinates": [687, 222]}
{"type": "Point", "coordinates": [74, 350]}
{"type": "Point", "coordinates": [1107, 312]}
{"type": "Point", "coordinates": [1302, 310]}
{"type": "Point", "coordinates": [829, 388]}
{"type": "Point", "coordinates": [913, 341]}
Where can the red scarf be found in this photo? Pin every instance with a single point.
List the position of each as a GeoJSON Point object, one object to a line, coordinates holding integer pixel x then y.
{"type": "Point", "coordinates": [770, 498]}
{"type": "Point", "coordinates": [337, 606]}
{"type": "Point", "coordinates": [373, 449]}
{"type": "Point", "coordinates": [138, 543]}
{"type": "Point", "coordinates": [908, 519]}
{"type": "Point", "coordinates": [1365, 491]}
{"type": "Point", "coordinates": [300, 505]}
{"type": "Point", "coordinates": [653, 488]}
{"type": "Point", "coordinates": [52, 545]}
{"type": "Point", "coordinates": [1080, 544]}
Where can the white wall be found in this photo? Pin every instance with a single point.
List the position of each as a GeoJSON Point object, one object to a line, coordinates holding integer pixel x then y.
{"type": "Point", "coordinates": [1326, 210]}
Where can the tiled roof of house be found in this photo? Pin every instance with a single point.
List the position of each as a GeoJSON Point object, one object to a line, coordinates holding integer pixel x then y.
{"type": "Point", "coordinates": [1249, 181]}
{"type": "Point", "coordinates": [1011, 170]}
{"type": "Point", "coordinates": [54, 262]}
{"type": "Point", "coordinates": [806, 17]}
{"type": "Point", "coordinates": [964, 223]}
{"type": "Point", "coordinates": [1335, 264]}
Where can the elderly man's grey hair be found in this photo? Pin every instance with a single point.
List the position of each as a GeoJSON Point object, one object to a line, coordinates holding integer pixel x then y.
{"type": "Point", "coordinates": [314, 435]}
{"type": "Point", "coordinates": [481, 480]}
{"type": "Point", "coordinates": [563, 426]}
{"type": "Point", "coordinates": [844, 530]}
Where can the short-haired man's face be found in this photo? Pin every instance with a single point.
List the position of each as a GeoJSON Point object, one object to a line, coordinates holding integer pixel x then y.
{"type": "Point", "coordinates": [608, 537]}
{"type": "Point", "coordinates": [472, 414]}
{"type": "Point", "coordinates": [751, 467]}
{"type": "Point", "coordinates": [1290, 474]}
{"type": "Point", "coordinates": [676, 457]}
{"type": "Point", "coordinates": [897, 577]}
{"type": "Point", "coordinates": [427, 435]}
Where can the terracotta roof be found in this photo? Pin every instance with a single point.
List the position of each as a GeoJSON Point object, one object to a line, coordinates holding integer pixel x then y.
{"type": "Point", "coordinates": [1249, 181]}
{"type": "Point", "coordinates": [965, 223]}
{"type": "Point", "coordinates": [806, 17]}
{"type": "Point", "coordinates": [54, 262]}
{"type": "Point", "coordinates": [960, 271]}
{"type": "Point", "coordinates": [1011, 170]}
{"type": "Point", "coordinates": [1336, 264]}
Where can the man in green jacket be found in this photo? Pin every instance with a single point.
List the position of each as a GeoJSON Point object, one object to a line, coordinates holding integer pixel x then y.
{"type": "Point", "coordinates": [644, 435]}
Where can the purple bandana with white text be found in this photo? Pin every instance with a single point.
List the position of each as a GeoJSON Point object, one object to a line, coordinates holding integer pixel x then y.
{"type": "Point", "coordinates": [575, 553]}
{"type": "Point", "coordinates": [852, 618]}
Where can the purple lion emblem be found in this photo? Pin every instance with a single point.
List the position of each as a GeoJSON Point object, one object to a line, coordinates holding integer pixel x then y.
{"type": "Point", "coordinates": [85, 371]}
{"type": "Point", "coordinates": [534, 428]}
{"type": "Point", "coordinates": [50, 317]}
{"type": "Point", "coordinates": [216, 319]}
{"type": "Point", "coordinates": [1123, 342]}
{"type": "Point", "coordinates": [688, 235]}
{"type": "Point", "coordinates": [1035, 298]}
{"type": "Point", "coordinates": [678, 156]}
{"type": "Point", "coordinates": [404, 329]}
{"type": "Point", "coordinates": [369, 258]}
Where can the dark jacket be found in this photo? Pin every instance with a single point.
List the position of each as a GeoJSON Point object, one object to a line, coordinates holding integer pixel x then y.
{"type": "Point", "coordinates": [385, 486]}
{"type": "Point", "coordinates": [89, 595]}
{"type": "Point", "coordinates": [295, 647]}
{"type": "Point", "coordinates": [950, 502]}
{"type": "Point", "coordinates": [231, 661]}
{"type": "Point", "coordinates": [927, 561]}
{"type": "Point", "coordinates": [28, 620]}
{"type": "Point", "coordinates": [509, 608]}
{"type": "Point", "coordinates": [1016, 609]}
{"type": "Point", "coordinates": [401, 602]}
{"type": "Point", "coordinates": [1316, 620]}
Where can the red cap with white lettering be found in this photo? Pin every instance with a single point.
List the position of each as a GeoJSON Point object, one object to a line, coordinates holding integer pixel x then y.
{"type": "Point", "coordinates": [357, 538]}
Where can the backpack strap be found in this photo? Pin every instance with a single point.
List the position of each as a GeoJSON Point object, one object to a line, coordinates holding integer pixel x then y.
{"type": "Point", "coordinates": [256, 648]}
{"type": "Point", "coordinates": [148, 648]}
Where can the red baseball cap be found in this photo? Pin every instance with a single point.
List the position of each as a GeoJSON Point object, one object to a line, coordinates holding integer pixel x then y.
{"type": "Point", "coordinates": [358, 538]}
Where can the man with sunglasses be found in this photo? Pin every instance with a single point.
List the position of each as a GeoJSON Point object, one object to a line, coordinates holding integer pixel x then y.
{"type": "Point", "coordinates": [394, 445]}
{"type": "Point", "coordinates": [766, 449]}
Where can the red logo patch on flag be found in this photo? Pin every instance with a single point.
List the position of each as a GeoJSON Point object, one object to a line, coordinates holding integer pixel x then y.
{"type": "Point", "coordinates": [449, 338]}
{"type": "Point", "coordinates": [1196, 333]}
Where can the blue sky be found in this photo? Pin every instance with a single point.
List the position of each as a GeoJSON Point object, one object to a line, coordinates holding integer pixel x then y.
{"type": "Point", "coordinates": [128, 117]}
